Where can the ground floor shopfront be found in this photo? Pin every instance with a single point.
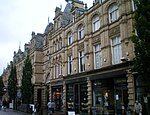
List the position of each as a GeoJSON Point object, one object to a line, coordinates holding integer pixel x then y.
{"type": "Point", "coordinates": [110, 95]}
{"type": "Point", "coordinates": [107, 91]}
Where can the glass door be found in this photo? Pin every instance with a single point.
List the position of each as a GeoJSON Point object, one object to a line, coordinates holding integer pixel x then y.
{"type": "Point", "coordinates": [77, 99]}
{"type": "Point", "coordinates": [121, 95]}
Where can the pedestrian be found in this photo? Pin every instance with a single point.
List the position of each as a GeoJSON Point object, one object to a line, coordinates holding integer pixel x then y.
{"type": "Point", "coordinates": [4, 104]}
{"type": "Point", "coordinates": [0, 104]}
{"type": "Point", "coordinates": [51, 107]}
{"type": "Point", "coordinates": [137, 108]}
{"type": "Point", "coordinates": [36, 109]}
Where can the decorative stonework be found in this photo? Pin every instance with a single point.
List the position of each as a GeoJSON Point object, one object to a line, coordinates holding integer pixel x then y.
{"type": "Point", "coordinates": [114, 31]}
{"type": "Point", "coordinates": [89, 86]}
{"type": "Point", "coordinates": [69, 52]}
{"type": "Point", "coordinates": [81, 46]}
{"type": "Point", "coordinates": [131, 88]}
{"type": "Point", "coordinates": [96, 39]}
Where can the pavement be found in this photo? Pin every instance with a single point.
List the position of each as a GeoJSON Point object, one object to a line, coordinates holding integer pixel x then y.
{"type": "Point", "coordinates": [12, 112]}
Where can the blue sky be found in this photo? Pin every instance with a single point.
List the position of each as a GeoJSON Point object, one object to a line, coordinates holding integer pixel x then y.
{"type": "Point", "coordinates": [18, 18]}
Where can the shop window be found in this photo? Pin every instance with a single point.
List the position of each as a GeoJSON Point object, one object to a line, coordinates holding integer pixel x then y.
{"type": "Point", "coordinates": [83, 97]}
{"type": "Point", "coordinates": [121, 93]}
{"type": "Point", "coordinates": [103, 96]}
{"type": "Point", "coordinates": [57, 97]}
{"type": "Point", "coordinates": [70, 98]}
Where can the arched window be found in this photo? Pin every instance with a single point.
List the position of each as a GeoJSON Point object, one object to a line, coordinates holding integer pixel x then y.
{"type": "Point", "coordinates": [113, 13]}
{"type": "Point", "coordinates": [60, 43]}
{"type": "Point", "coordinates": [97, 56]}
{"type": "Point", "coordinates": [95, 23]}
{"type": "Point", "coordinates": [70, 63]}
{"type": "Point", "coordinates": [80, 32]}
{"type": "Point", "coordinates": [54, 46]}
{"type": "Point", "coordinates": [81, 61]}
{"type": "Point", "coordinates": [70, 39]}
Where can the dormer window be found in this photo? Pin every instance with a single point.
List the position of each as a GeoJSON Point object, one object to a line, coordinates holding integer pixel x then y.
{"type": "Point", "coordinates": [59, 23]}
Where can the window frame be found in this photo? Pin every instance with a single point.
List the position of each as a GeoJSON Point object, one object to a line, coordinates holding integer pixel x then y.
{"type": "Point", "coordinates": [116, 50]}
{"type": "Point", "coordinates": [70, 64]}
{"type": "Point", "coordinates": [81, 61]}
{"type": "Point", "coordinates": [113, 12]}
{"type": "Point", "coordinates": [70, 38]}
{"type": "Point", "coordinates": [95, 23]}
{"type": "Point", "coordinates": [134, 7]}
{"type": "Point", "coordinates": [80, 32]}
{"type": "Point", "coordinates": [97, 52]}
{"type": "Point", "coordinates": [56, 71]}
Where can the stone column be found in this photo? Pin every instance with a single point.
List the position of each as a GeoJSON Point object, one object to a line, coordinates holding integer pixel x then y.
{"type": "Point", "coordinates": [50, 92]}
{"type": "Point", "coordinates": [64, 97]}
{"type": "Point", "coordinates": [35, 94]}
{"type": "Point", "coordinates": [44, 102]}
{"type": "Point", "coordinates": [89, 89]}
{"type": "Point", "coordinates": [131, 89]}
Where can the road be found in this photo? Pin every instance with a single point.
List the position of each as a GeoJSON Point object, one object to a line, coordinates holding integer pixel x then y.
{"type": "Point", "coordinates": [11, 112]}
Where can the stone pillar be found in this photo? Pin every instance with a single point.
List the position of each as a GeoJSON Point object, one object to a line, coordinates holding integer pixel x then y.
{"type": "Point", "coordinates": [35, 94]}
{"type": "Point", "coordinates": [50, 93]}
{"type": "Point", "coordinates": [64, 97]}
{"type": "Point", "coordinates": [44, 101]}
{"type": "Point", "coordinates": [44, 96]}
{"type": "Point", "coordinates": [89, 89]}
{"type": "Point", "coordinates": [131, 89]}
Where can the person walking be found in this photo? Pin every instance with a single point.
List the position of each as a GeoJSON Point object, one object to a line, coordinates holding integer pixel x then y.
{"type": "Point", "coordinates": [137, 108]}
{"type": "Point", "coordinates": [51, 106]}
{"type": "Point", "coordinates": [0, 104]}
{"type": "Point", "coordinates": [4, 104]}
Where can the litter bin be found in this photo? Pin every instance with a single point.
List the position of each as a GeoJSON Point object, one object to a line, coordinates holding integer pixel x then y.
{"type": "Point", "coordinates": [94, 111]}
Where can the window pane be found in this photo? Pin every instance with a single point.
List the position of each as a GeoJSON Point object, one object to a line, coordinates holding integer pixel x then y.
{"type": "Point", "coordinates": [95, 23]}
{"type": "Point", "coordinates": [81, 61]}
{"type": "Point", "coordinates": [69, 64]}
{"type": "Point", "coordinates": [113, 13]}
{"type": "Point", "coordinates": [98, 56]}
{"type": "Point", "coordinates": [116, 50]}
{"type": "Point", "coordinates": [80, 32]}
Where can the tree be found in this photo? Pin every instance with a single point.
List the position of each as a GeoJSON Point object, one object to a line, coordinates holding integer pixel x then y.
{"type": "Point", "coordinates": [1, 87]}
{"type": "Point", "coordinates": [141, 38]}
{"type": "Point", "coordinates": [12, 83]}
{"type": "Point", "coordinates": [27, 88]}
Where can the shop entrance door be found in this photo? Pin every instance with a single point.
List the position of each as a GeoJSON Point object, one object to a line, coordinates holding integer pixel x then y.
{"type": "Point", "coordinates": [121, 100]}
{"type": "Point", "coordinates": [80, 98]}
{"type": "Point", "coordinates": [77, 99]}
{"type": "Point", "coordinates": [121, 95]}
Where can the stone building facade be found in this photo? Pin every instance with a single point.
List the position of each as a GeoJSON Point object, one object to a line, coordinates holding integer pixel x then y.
{"type": "Point", "coordinates": [84, 59]}
{"type": "Point", "coordinates": [91, 56]}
